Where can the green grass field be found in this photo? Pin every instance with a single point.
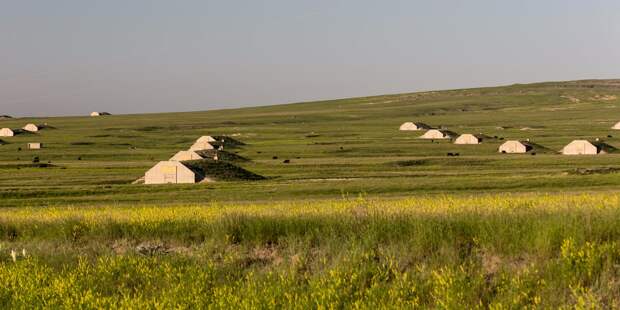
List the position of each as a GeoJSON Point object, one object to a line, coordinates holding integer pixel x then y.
{"type": "Point", "coordinates": [338, 147]}
{"type": "Point", "coordinates": [363, 216]}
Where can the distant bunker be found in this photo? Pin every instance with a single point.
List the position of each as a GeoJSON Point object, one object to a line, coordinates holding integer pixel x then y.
{"type": "Point", "coordinates": [166, 172]}
{"type": "Point", "coordinates": [467, 138]}
{"type": "Point", "coordinates": [515, 147]}
{"type": "Point", "coordinates": [411, 126]}
{"type": "Point", "coordinates": [197, 171]}
{"type": "Point", "coordinates": [186, 155]}
{"type": "Point", "coordinates": [31, 128]}
{"type": "Point", "coordinates": [214, 143]}
{"type": "Point", "coordinates": [6, 132]}
{"type": "Point", "coordinates": [438, 134]}
{"type": "Point", "coordinates": [585, 147]}
{"type": "Point", "coordinates": [35, 145]}
{"type": "Point", "coordinates": [201, 145]}
{"type": "Point", "coordinates": [206, 139]}
{"type": "Point", "coordinates": [221, 155]}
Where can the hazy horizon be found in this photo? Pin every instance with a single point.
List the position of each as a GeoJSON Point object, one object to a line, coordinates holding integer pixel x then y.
{"type": "Point", "coordinates": [72, 57]}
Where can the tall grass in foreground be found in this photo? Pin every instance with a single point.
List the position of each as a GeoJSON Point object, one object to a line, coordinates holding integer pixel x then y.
{"type": "Point", "coordinates": [448, 252]}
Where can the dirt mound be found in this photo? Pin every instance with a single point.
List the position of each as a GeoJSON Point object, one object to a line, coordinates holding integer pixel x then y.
{"type": "Point", "coordinates": [209, 169]}
{"type": "Point", "coordinates": [152, 248]}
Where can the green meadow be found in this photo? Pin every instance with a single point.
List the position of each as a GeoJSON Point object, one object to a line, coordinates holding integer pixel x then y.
{"type": "Point", "coordinates": [361, 216]}
{"type": "Point", "coordinates": [335, 148]}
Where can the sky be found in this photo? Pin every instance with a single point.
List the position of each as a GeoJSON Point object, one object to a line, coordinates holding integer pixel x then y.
{"type": "Point", "coordinates": [71, 57]}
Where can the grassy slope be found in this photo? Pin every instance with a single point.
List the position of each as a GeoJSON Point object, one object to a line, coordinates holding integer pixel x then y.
{"type": "Point", "coordinates": [357, 149]}
{"type": "Point", "coordinates": [431, 251]}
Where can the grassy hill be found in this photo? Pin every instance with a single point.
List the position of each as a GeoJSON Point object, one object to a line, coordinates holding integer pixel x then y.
{"type": "Point", "coordinates": [482, 230]}
{"type": "Point", "coordinates": [335, 148]}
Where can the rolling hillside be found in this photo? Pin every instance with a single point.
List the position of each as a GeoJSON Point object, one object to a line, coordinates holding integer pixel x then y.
{"type": "Point", "coordinates": [339, 147]}
{"type": "Point", "coordinates": [478, 230]}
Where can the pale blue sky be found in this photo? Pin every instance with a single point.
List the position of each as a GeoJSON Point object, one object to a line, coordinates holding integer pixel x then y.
{"type": "Point", "coordinates": [70, 57]}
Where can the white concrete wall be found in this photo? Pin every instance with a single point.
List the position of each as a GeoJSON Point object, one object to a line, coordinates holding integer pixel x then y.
{"type": "Point", "coordinates": [185, 155]}
{"type": "Point", "coordinates": [166, 172]}
{"type": "Point", "coordinates": [31, 128]}
{"type": "Point", "coordinates": [199, 146]}
{"type": "Point", "coordinates": [434, 134]}
{"type": "Point", "coordinates": [34, 145]}
{"type": "Point", "coordinates": [467, 139]}
{"type": "Point", "coordinates": [408, 126]}
{"type": "Point", "coordinates": [6, 132]}
{"type": "Point", "coordinates": [512, 147]}
{"type": "Point", "coordinates": [580, 147]}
